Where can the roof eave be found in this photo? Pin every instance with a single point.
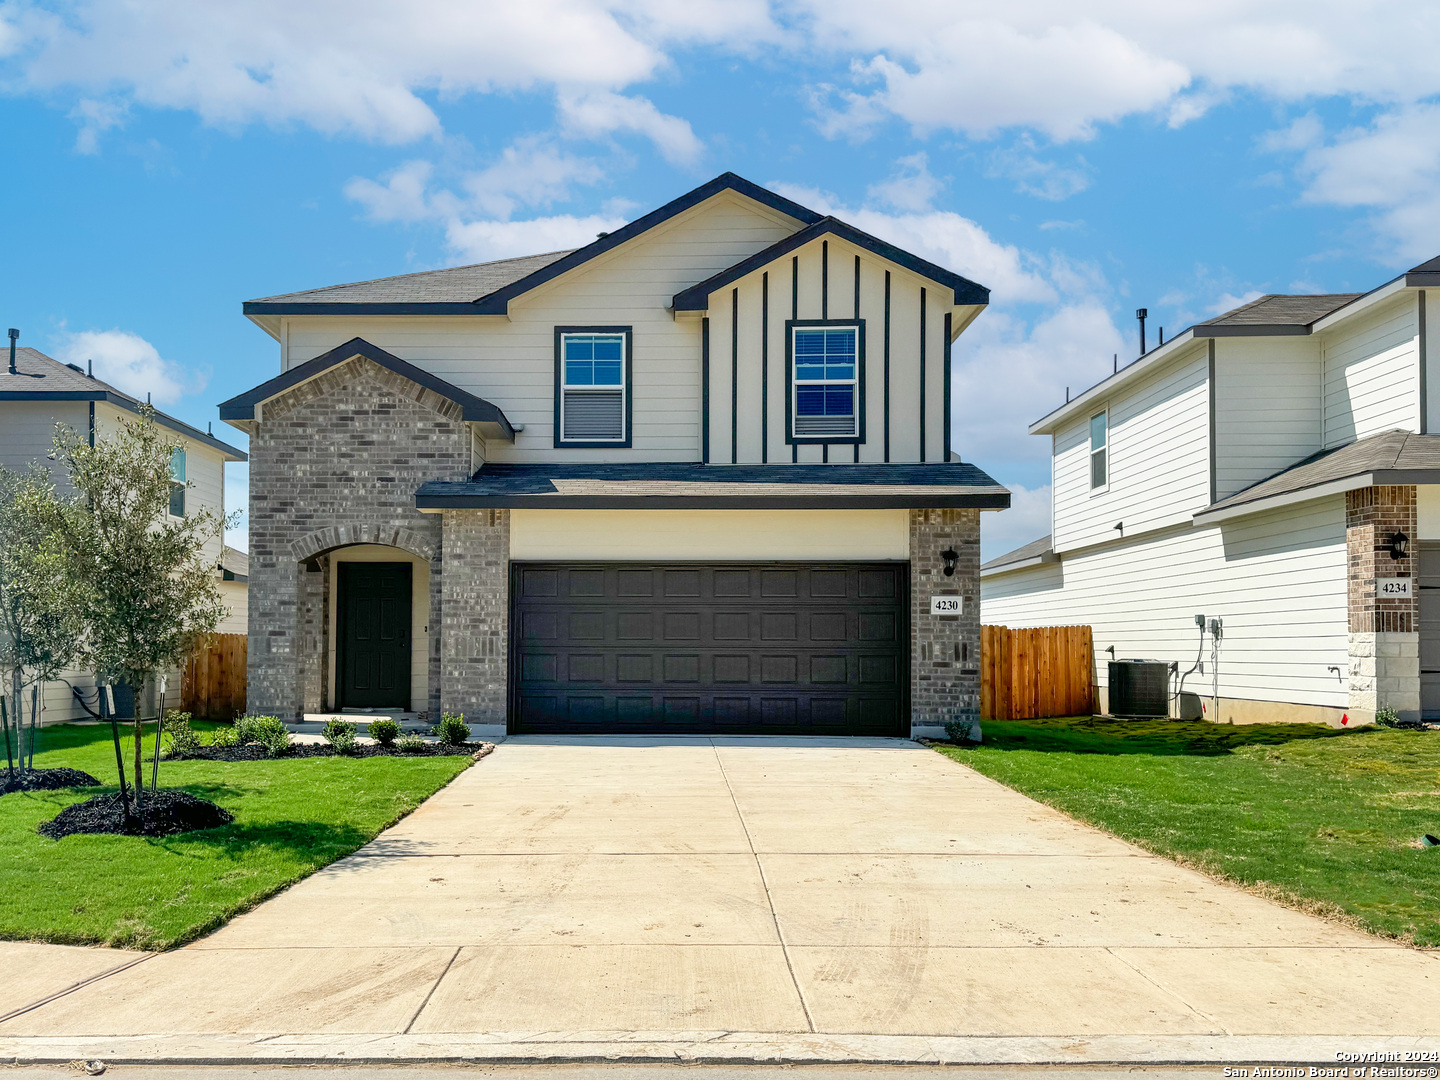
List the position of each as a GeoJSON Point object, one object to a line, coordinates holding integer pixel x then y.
{"type": "Point", "coordinates": [254, 308]}
{"type": "Point", "coordinates": [1022, 564]}
{"type": "Point", "coordinates": [1303, 495]}
{"type": "Point", "coordinates": [438, 503]}
{"type": "Point", "coordinates": [1376, 295]}
{"type": "Point", "coordinates": [1221, 330]}
{"type": "Point", "coordinates": [109, 397]}
{"type": "Point", "coordinates": [1047, 423]}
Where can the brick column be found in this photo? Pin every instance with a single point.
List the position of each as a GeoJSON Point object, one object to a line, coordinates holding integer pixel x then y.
{"type": "Point", "coordinates": [272, 675]}
{"type": "Point", "coordinates": [1384, 631]}
{"type": "Point", "coordinates": [309, 657]}
{"type": "Point", "coordinates": [475, 615]}
{"type": "Point", "coordinates": [944, 649]}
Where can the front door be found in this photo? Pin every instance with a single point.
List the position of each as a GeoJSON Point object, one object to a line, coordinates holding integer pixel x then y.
{"type": "Point", "coordinates": [374, 636]}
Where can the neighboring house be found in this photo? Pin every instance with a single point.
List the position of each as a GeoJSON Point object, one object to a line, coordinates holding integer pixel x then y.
{"type": "Point", "coordinates": [42, 392]}
{"type": "Point", "coordinates": [691, 477]}
{"type": "Point", "coordinates": [1271, 468]}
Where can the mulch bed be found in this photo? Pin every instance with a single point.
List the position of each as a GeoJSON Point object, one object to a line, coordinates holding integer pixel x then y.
{"type": "Point", "coordinates": [164, 813]}
{"type": "Point", "coordinates": [256, 752]}
{"type": "Point", "coordinates": [46, 780]}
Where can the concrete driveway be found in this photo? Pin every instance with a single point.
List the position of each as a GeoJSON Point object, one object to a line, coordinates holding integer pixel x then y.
{"type": "Point", "coordinates": [728, 892]}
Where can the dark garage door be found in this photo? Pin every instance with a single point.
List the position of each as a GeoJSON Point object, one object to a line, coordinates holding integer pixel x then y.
{"type": "Point", "coordinates": [770, 649]}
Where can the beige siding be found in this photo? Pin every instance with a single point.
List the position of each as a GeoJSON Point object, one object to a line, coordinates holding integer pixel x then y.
{"type": "Point", "coordinates": [1158, 458]}
{"type": "Point", "coordinates": [236, 597]}
{"type": "Point", "coordinates": [1371, 365]}
{"type": "Point", "coordinates": [1277, 580]}
{"type": "Point", "coordinates": [512, 362]}
{"type": "Point", "coordinates": [27, 429]}
{"type": "Point", "coordinates": [710, 535]}
{"type": "Point", "coordinates": [1267, 408]}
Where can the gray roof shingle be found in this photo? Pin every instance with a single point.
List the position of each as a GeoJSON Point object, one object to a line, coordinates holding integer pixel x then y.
{"type": "Point", "coordinates": [1278, 310]}
{"type": "Point", "coordinates": [456, 284]}
{"type": "Point", "coordinates": [1034, 550]}
{"type": "Point", "coordinates": [43, 378]}
{"type": "Point", "coordinates": [1386, 457]}
{"type": "Point", "coordinates": [693, 485]}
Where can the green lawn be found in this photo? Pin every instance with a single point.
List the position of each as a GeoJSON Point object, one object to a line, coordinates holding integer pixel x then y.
{"type": "Point", "coordinates": [291, 818]}
{"type": "Point", "coordinates": [1325, 819]}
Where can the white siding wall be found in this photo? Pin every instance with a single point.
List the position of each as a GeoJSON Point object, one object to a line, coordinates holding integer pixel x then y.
{"type": "Point", "coordinates": [1267, 407]}
{"type": "Point", "coordinates": [1371, 365]}
{"type": "Point", "coordinates": [1277, 580]}
{"type": "Point", "coordinates": [1159, 458]}
{"type": "Point", "coordinates": [27, 429]}
{"type": "Point", "coordinates": [511, 362]}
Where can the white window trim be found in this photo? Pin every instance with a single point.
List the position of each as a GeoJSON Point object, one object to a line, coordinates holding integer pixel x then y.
{"type": "Point", "coordinates": [796, 382]}
{"type": "Point", "coordinates": [623, 385]}
{"type": "Point", "coordinates": [1090, 454]}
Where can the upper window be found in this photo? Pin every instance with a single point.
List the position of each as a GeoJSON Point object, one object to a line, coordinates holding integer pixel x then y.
{"type": "Point", "coordinates": [826, 384]}
{"type": "Point", "coordinates": [177, 483]}
{"type": "Point", "coordinates": [592, 403]}
{"type": "Point", "coordinates": [1099, 444]}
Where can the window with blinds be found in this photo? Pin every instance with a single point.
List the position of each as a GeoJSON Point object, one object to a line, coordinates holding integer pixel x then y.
{"type": "Point", "coordinates": [592, 388]}
{"type": "Point", "coordinates": [825, 385]}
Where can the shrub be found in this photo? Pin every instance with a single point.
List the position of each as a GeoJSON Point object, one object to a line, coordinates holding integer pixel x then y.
{"type": "Point", "coordinates": [1387, 717]}
{"type": "Point", "coordinates": [452, 730]}
{"type": "Point", "coordinates": [410, 744]}
{"type": "Point", "coordinates": [335, 728]}
{"type": "Point", "coordinates": [180, 738]}
{"type": "Point", "coordinates": [962, 731]}
{"type": "Point", "coordinates": [269, 731]}
{"type": "Point", "coordinates": [384, 731]}
{"type": "Point", "coordinates": [344, 743]}
{"type": "Point", "coordinates": [225, 737]}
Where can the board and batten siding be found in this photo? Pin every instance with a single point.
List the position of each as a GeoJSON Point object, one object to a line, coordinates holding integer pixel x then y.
{"type": "Point", "coordinates": [1277, 580]}
{"type": "Point", "coordinates": [749, 385]}
{"type": "Point", "coordinates": [1158, 451]}
{"type": "Point", "coordinates": [1267, 408]}
{"type": "Point", "coordinates": [510, 362]}
{"type": "Point", "coordinates": [1371, 369]}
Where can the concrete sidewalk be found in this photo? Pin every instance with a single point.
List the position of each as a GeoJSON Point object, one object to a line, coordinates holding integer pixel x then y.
{"type": "Point", "coordinates": [735, 900]}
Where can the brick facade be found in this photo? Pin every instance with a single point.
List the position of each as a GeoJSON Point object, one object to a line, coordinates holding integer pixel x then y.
{"type": "Point", "coordinates": [944, 649]}
{"type": "Point", "coordinates": [475, 624]}
{"type": "Point", "coordinates": [334, 462]}
{"type": "Point", "coordinates": [1384, 650]}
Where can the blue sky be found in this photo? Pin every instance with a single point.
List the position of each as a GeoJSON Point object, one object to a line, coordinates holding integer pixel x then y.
{"type": "Point", "coordinates": [167, 159]}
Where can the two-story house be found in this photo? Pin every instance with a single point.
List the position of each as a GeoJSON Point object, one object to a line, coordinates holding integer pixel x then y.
{"type": "Point", "coordinates": [691, 477]}
{"type": "Point", "coordinates": [1271, 469]}
{"type": "Point", "coordinates": [39, 392]}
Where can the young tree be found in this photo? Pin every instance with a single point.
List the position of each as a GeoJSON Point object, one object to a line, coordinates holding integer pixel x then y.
{"type": "Point", "coordinates": [41, 606]}
{"type": "Point", "coordinates": [151, 594]}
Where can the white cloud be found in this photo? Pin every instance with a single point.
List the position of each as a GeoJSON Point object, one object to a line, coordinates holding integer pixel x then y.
{"type": "Point", "coordinates": [1027, 519]}
{"type": "Point", "coordinates": [127, 360]}
{"type": "Point", "coordinates": [1391, 167]}
{"type": "Point", "coordinates": [909, 187]}
{"type": "Point", "coordinates": [481, 241]}
{"type": "Point", "coordinates": [945, 238]}
{"type": "Point", "coordinates": [1035, 176]}
{"type": "Point", "coordinates": [598, 113]}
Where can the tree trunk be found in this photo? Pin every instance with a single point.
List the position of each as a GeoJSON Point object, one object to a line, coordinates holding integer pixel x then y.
{"type": "Point", "coordinates": [34, 719]}
{"type": "Point", "coordinates": [17, 710]}
{"type": "Point", "coordinates": [5, 723]}
{"type": "Point", "coordinates": [139, 753]}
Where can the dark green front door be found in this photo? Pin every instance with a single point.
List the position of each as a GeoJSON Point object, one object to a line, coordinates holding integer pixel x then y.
{"type": "Point", "coordinates": [374, 636]}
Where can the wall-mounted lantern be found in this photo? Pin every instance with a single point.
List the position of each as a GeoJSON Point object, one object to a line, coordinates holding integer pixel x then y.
{"type": "Point", "coordinates": [1399, 545]}
{"type": "Point", "coordinates": [951, 558]}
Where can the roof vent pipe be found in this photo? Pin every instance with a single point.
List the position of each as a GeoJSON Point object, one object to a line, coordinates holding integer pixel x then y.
{"type": "Point", "coordinates": [1162, 336]}
{"type": "Point", "coordinates": [1116, 357]}
{"type": "Point", "coordinates": [13, 335]}
{"type": "Point", "coordinates": [90, 368]}
{"type": "Point", "coordinates": [1140, 314]}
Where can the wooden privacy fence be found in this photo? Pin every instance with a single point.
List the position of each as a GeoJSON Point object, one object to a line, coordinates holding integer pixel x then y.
{"type": "Point", "coordinates": [213, 685]}
{"type": "Point", "coordinates": [1044, 671]}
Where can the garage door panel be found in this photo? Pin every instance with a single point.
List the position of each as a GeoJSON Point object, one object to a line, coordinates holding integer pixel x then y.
{"type": "Point", "coordinates": [766, 648]}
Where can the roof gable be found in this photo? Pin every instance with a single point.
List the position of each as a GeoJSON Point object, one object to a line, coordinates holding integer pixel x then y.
{"type": "Point", "coordinates": [241, 409]}
{"type": "Point", "coordinates": [436, 295]}
{"type": "Point", "coordinates": [43, 378]}
{"type": "Point", "coordinates": [967, 292]}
